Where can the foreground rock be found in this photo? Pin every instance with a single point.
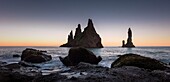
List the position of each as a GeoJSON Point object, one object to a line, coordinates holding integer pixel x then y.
{"type": "Point", "coordinates": [77, 55]}
{"type": "Point", "coordinates": [138, 61]}
{"type": "Point", "coordinates": [88, 38]}
{"type": "Point", "coordinates": [85, 72]}
{"type": "Point", "coordinates": [17, 73]}
{"type": "Point", "coordinates": [129, 43]}
{"type": "Point", "coordinates": [34, 56]}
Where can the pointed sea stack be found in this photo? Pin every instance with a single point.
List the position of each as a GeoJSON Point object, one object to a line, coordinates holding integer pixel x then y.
{"type": "Point", "coordinates": [88, 38]}
{"type": "Point", "coordinates": [129, 43]}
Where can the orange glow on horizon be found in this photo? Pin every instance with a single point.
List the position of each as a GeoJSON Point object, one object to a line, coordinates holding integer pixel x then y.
{"type": "Point", "coordinates": [60, 43]}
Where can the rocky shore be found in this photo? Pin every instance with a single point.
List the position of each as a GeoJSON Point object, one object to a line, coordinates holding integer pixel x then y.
{"type": "Point", "coordinates": [127, 68]}
{"type": "Point", "coordinates": [84, 72]}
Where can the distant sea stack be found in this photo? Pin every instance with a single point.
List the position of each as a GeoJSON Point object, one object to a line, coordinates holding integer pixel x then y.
{"type": "Point", "coordinates": [88, 38]}
{"type": "Point", "coordinates": [129, 43]}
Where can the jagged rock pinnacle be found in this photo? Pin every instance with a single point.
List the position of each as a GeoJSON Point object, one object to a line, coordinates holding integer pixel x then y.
{"type": "Point", "coordinates": [90, 23]}
{"type": "Point", "coordinates": [70, 36]}
{"type": "Point", "coordinates": [129, 33]}
{"type": "Point", "coordinates": [88, 38]}
{"type": "Point", "coordinates": [78, 31]}
{"type": "Point", "coordinates": [129, 40]}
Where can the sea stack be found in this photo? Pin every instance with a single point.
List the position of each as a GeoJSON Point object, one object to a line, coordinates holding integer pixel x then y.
{"type": "Point", "coordinates": [87, 39]}
{"type": "Point", "coordinates": [129, 43]}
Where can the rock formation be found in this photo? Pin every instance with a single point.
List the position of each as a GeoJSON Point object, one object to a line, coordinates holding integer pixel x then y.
{"type": "Point", "coordinates": [77, 55]}
{"type": "Point", "coordinates": [34, 56]}
{"type": "Point", "coordinates": [138, 61]}
{"type": "Point", "coordinates": [78, 31]}
{"type": "Point", "coordinates": [88, 38]}
{"type": "Point", "coordinates": [129, 40]}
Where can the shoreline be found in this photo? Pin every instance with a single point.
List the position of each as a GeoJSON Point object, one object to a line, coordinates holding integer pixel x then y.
{"type": "Point", "coordinates": [84, 72]}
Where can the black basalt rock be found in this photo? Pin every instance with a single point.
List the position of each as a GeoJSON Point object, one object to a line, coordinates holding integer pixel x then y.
{"type": "Point", "coordinates": [77, 55]}
{"type": "Point", "coordinates": [88, 38]}
{"type": "Point", "coordinates": [138, 61]}
{"type": "Point", "coordinates": [129, 43]}
{"type": "Point", "coordinates": [34, 56]}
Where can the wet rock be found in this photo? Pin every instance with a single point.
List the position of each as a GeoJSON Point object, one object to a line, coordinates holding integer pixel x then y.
{"type": "Point", "coordinates": [94, 73]}
{"type": "Point", "coordinates": [34, 56]}
{"type": "Point", "coordinates": [16, 55]}
{"type": "Point", "coordinates": [43, 51]}
{"type": "Point", "coordinates": [2, 63]}
{"type": "Point", "coordinates": [13, 66]}
{"type": "Point", "coordinates": [26, 64]}
{"type": "Point", "coordinates": [16, 73]}
{"type": "Point", "coordinates": [54, 77]}
{"type": "Point", "coordinates": [88, 38]}
{"type": "Point", "coordinates": [77, 55]}
{"type": "Point", "coordinates": [138, 61]}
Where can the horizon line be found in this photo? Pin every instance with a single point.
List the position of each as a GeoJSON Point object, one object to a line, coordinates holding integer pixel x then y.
{"type": "Point", "coordinates": [67, 47]}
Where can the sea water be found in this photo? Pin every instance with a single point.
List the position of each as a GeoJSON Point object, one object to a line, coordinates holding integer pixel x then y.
{"type": "Point", "coordinates": [108, 54]}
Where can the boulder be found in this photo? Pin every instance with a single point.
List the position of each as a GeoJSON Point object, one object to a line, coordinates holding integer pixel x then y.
{"type": "Point", "coordinates": [34, 56]}
{"type": "Point", "coordinates": [77, 55]}
{"type": "Point", "coordinates": [88, 38]}
{"type": "Point", "coordinates": [138, 61]}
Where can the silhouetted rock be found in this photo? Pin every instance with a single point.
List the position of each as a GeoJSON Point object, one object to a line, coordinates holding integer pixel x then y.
{"type": "Point", "coordinates": [70, 37]}
{"type": "Point", "coordinates": [129, 40]}
{"type": "Point", "coordinates": [78, 31]}
{"type": "Point", "coordinates": [77, 55]}
{"type": "Point", "coordinates": [138, 61]}
{"type": "Point", "coordinates": [123, 43]}
{"type": "Point", "coordinates": [34, 56]}
{"type": "Point", "coordinates": [16, 55]}
{"type": "Point", "coordinates": [88, 38]}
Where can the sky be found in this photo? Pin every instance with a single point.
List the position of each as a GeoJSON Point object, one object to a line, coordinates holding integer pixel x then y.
{"type": "Point", "coordinates": [48, 22]}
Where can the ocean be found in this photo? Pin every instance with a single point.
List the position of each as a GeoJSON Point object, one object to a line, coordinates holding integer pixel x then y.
{"type": "Point", "coordinates": [108, 54]}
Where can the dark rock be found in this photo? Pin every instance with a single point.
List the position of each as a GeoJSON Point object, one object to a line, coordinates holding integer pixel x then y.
{"type": "Point", "coordinates": [13, 66]}
{"type": "Point", "coordinates": [78, 31]}
{"type": "Point", "coordinates": [83, 65]}
{"type": "Point", "coordinates": [77, 55]}
{"type": "Point", "coordinates": [138, 61]}
{"type": "Point", "coordinates": [43, 51]}
{"type": "Point", "coordinates": [85, 72]}
{"type": "Point", "coordinates": [88, 38]}
{"type": "Point", "coordinates": [16, 73]}
{"type": "Point", "coordinates": [2, 63]}
{"type": "Point", "coordinates": [129, 40]}
{"type": "Point", "coordinates": [54, 77]}
{"type": "Point", "coordinates": [34, 56]}
{"type": "Point", "coordinates": [7, 75]}
{"type": "Point", "coordinates": [26, 64]}
{"type": "Point", "coordinates": [70, 37]}
{"type": "Point", "coordinates": [16, 55]}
